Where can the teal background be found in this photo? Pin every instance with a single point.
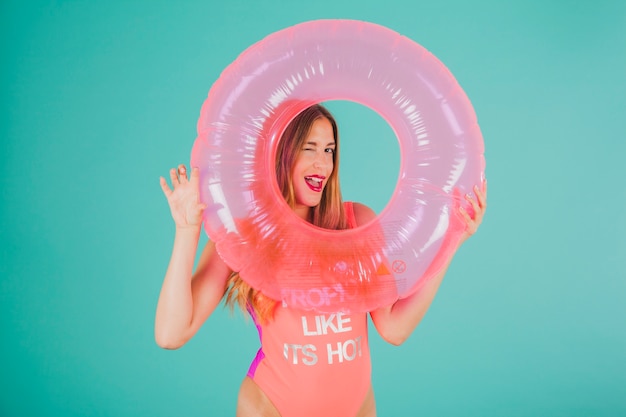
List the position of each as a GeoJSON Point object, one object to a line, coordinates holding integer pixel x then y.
{"type": "Point", "coordinates": [98, 99]}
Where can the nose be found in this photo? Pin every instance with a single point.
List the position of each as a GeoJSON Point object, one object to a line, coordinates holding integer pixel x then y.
{"type": "Point", "coordinates": [321, 159]}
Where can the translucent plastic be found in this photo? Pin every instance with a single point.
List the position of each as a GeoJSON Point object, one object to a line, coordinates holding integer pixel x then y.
{"type": "Point", "coordinates": [247, 110]}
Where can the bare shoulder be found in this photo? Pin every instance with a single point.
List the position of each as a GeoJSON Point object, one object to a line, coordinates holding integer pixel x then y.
{"type": "Point", "coordinates": [363, 213]}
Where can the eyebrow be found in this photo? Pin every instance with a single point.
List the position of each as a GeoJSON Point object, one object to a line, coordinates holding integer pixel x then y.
{"type": "Point", "coordinates": [315, 143]}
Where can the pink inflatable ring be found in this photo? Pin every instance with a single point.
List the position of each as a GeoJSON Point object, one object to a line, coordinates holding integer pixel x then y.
{"type": "Point", "coordinates": [247, 110]}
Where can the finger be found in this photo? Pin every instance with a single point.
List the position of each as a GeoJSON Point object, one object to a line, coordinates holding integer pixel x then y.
{"type": "Point", "coordinates": [174, 177]}
{"type": "Point", "coordinates": [200, 208]}
{"type": "Point", "coordinates": [480, 195]}
{"type": "Point", "coordinates": [166, 189]}
{"type": "Point", "coordinates": [484, 191]}
{"type": "Point", "coordinates": [468, 219]}
{"type": "Point", "coordinates": [182, 173]}
{"type": "Point", "coordinates": [195, 174]}
{"type": "Point", "coordinates": [475, 207]}
{"type": "Point", "coordinates": [470, 227]}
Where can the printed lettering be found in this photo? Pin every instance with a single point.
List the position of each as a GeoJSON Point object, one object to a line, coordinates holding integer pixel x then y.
{"type": "Point", "coordinates": [327, 322]}
{"type": "Point", "coordinates": [314, 297]}
{"type": "Point", "coordinates": [335, 323]}
{"type": "Point", "coordinates": [331, 352]}
{"type": "Point", "coordinates": [317, 294]}
{"type": "Point", "coordinates": [356, 348]}
{"type": "Point", "coordinates": [298, 296]}
{"type": "Point", "coordinates": [341, 321]}
{"type": "Point", "coordinates": [308, 357]}
{"type": "Point", "coordinates": [294, 349]}
{"type": "Point", "coordinates": [347, 350]}
{"type": "Point", "coordinates": [305, 326]}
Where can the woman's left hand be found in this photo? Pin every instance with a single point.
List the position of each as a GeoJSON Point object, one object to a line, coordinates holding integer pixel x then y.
{"type": "Point", "coordinates": [479, 205]}
{"type": "Point", "coordinates": [396, 322]}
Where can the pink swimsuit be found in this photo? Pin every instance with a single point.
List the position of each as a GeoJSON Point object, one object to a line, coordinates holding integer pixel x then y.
{"type": "Point", "coordinates": [314, 364]}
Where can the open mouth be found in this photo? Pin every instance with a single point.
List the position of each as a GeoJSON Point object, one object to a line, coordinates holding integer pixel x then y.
{"type": "Point", "coordinates": [315, 182]}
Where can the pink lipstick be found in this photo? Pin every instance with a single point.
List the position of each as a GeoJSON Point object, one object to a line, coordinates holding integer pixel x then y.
{"type": "Point", "coordinates": [315, 182]}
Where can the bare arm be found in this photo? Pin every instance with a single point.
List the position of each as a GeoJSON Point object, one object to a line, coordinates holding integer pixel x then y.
{"type": "Point", "coordinates": [187, 298]}
{"type": "Point", "coordinates": [395, 323]}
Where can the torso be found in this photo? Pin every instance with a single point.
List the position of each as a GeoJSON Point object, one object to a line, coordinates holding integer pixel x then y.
{"type": "Point", "coordinates": [310, 364]}
{"type": "Point", "coordinates": [313, 364]}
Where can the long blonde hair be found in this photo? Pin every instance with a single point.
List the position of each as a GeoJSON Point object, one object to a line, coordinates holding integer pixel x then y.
{"type": "Point", "coordinates": [329, 213]}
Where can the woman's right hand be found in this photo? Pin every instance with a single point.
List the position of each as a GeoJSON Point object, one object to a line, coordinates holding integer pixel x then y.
{"type": "Point", "coordinates": [184, 199]}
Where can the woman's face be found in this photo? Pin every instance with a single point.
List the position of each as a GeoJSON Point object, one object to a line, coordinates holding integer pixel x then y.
{"type": "Point", "coordinates": [313, 166]}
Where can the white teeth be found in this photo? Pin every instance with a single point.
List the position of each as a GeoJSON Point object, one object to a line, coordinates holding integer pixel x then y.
{"type": "Point", "coordinates": [317, 180]}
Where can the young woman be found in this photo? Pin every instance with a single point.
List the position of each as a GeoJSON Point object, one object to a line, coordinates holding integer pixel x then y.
{"type": "Point", "coordinates": [309, 364]}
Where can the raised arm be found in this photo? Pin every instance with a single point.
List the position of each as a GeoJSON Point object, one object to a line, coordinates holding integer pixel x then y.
{"type": "Point", "coordinates": [187, 298]}
{"type": "Point", "coordinates": [395, 323]}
